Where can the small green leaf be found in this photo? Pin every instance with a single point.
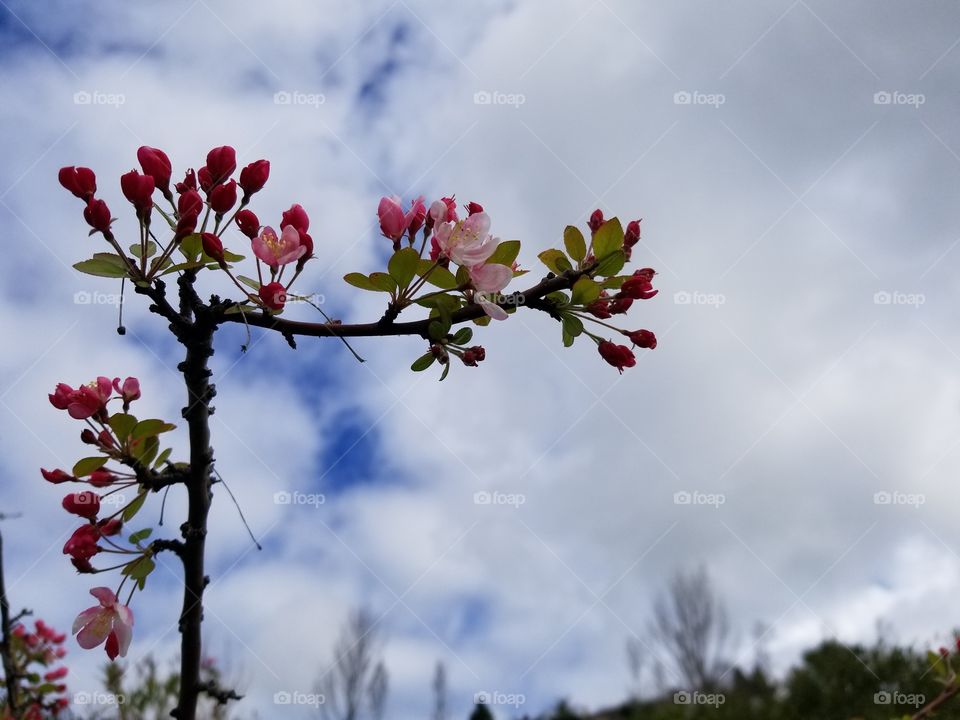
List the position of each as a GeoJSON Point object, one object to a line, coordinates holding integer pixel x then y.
{"type": "Point", "coordinates": [134, 507]}
{"type": "Point", "coordinates": [506, 253]}
{"type": "Point", "coordinates": [231, 256]}
{"type": "Point", "coordinates": [609, 238]}
{"type": "Point", "coordinates": [423, 362]}
{"type": "Point", "coordinates": [87, 465]}
{"type": "Point", "coordinates": [585, 291]}
{"type": "Point", "coordinates": [100, 267]}
{"type": "Point", "coordinates": [146, 428]}
{"type": "Point", "coordinates": [612, 264]}
{"type": "Point", "coordinates": [439, 276]}
{"type": "Point", "coordinates": [146, 449]}
{"type": "Point", "coordinates": [151, 249]}
{"type": "Point", "coordinates": [359, 280]}
{"type": "Point", "coordinates": [162, 457]}
{"type": "Point", "coordinates": [555, 260]}
{"type": "Point", "coordinates": [139, 569]}
{"type": "Point", "coordinates": [140, 535]}
{"type": "Point", "coordinates": [567, 339]}
{"type": "Point", "coordinates": [464, 335]}
{"type": "Point", "coordinates": [446, 370]}
{"type": "Point", "coordinates": [191, 246]}
{"type": "Point", "coordinates": [249, 282]}
{"type": "Point", "coordinates": [572, 325]}
{"type": "Point", "coordinates": [122, 425]}
{"type": "Point", "coordinates": [574, 243]}
{"type": "Point", "coordinates": [382, 282]}
{"type": "Point", "coordinates": [403, 266]}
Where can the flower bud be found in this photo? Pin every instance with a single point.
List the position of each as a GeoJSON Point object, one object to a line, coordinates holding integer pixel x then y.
{"type": "Point", "coordinates": [221, 162]}
{"type": "Point", "coordinates": [212, 246]}
{"type": "Point", "coordinates": [80, 181]}
{"type": "Point", "coordinates": [273, 295]}
{"type": "Point", "coordinates": [156, 164]}
{"type": "Point", "coordinates": [631, 236]}
{"type": "Point", "coordinates": [138, 189]}
{"type": "Point", "coordinates": [248, 223]}
{"type": "Point", "coordinates": [254, 176]}
{"type": "Point", "coordinates": [642, 338]}
{"type": "Point", "coordinates": [620, 356]}
{"type": "Point", "coordinates": [474, 208]}
{"type": "Point", "coordinates": [223, 197]}
{"type": "Point", "coordinates": [56, 476]}
{"type": "Point", "coordinates": [97, 215]}
{"type": "Point", "coordinates": [102, 478]}
{"type": "Point", "coordinates": [85, 504]}
{"type": "Point", "coordinates": [189, 182]}
{"type": "Point", "coordinates": [189, 202]}
{"type": "Point", "coordinates": [297, 217]}
{"type": "Point", "coordinates": [596, 220]}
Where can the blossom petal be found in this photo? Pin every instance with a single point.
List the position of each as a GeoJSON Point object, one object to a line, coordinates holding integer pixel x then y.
{"type": "Point", "coordinates": [85, 618]}
{"type": "Point", "coordinates": [105, 595]}
{"type": "Point", "coordinates": [96, 631]}
{"type": "Point", "coordinates": [494, 311]}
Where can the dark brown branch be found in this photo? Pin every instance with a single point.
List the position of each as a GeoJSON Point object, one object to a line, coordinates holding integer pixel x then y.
{"type": "Point", "coordinates": [9, 667]}
{"type": "Point", "coordinates": [157, 481]}
{"type": "Point", "coordinates": [532, 298]}
{"type": "Point", "coordinates": [221, 695]}
{"type": "Point", "coordinates": [935, 704]}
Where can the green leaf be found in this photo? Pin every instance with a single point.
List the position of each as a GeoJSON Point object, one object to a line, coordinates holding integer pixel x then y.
{"type": "Point", "coordinates": [483, 320]}
{"type": "Point", "coordinates": [585, 291]}
{"type": "Point", "coordinates": [87, 465]}
{"type": "Point", "coordinates": [555, 260]}
{"type": "Point", "coordinates": [403, 266]}
{"type": "Point", "coordinates": [139, 569]}
{"type": "Point", "coordinates": [446, 370]}
{"type": "Point", "coordinates": [191, 246]}
{"type": "Point", "coordinates": [614, 283]}
{"type": "Point", "coordinates": [574, 243]}
{"type": "Point", "coordinates": [139, 536]}
{"type": "Point", "coordinates": [145, 450]}
{"type": "Point", "coordinates": [609, 239]}
{"type": "Point", "coordinates": [506, 253]}
{"type": "Point", "coordinates": [423, 362]}
{"type": "Point", "coordinates": [151, 249]}
{"type": "Point", "coordinates": [612, 264]}
{"type": "Point", "coordinates": [567, 339]}
{"type": "Point", "coordinates": [134, 507]}
{"type": "Point", "coordinates": [439, 276]}
{"type": "Point", "coordinates": [464, 335]}
{"type": "Point", "coordinates": [231, 256]}
{"type": "Point", "coordinates": [359, 280]}
{"type": "Point", "coordinates": [250, 282]}
{"type": "Point", "coordinates": [122, 424]}
{"type": "Point", "coordinates": [100, 267]}
{"type": "Point", "coordinates": [438, 329]}
{"type": "Point", "coordinates": [572, 325]}
{"type": "Point", "coordinates": [146, 428]}
{"type": "Point", "coordinates": [382, 282]}
{"type": "Point", "coordinates": [162, 457]}
{"type": "Point", "coordinates": [559, 299]}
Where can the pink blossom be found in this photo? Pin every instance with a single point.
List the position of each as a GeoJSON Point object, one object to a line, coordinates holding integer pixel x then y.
{"type": "Point", "coordinates": [393, 224]}
{"type": "Point", "coordinates": [108, 621]}
{"type": "Point", "coordinates": [276, 251]}
{"type": "Point", "coordinates": [467, 242]}
{"type": "Point", "coordinates": [87, 400]}
{"type": "Point", "coordinates": [489, 279]}
{"type": "Point", "coordinates": [129, 390]}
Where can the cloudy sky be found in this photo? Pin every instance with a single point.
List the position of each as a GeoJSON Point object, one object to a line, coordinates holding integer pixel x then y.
{"type": "Point", "coordinates": [795, 163]}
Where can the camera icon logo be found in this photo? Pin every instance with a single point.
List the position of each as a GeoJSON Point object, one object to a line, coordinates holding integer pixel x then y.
{"type": "Point", "coordinates": [482, 498]}
{"type": "Point", "coordinates": [682, 698]}
{"type": "Point", "coordinates": [282, 698]}
{"type": "Point", "coordinates": [282, 498]}
{"type": "Point", "coordinates": [682, 497]}
{"type": "Point", "coordinates": [882, 698]}
{"type": "Point", "coordinates": [481, 698]}
{"type": "Point", "coordinates": [882, 98]}
{"type": "Point", "coordinates": [282, 98]}
{"type": "Point", "coordinates": [482, 97]}
{"type": "Point", "coordinates": [682, 298]}
{"type": "Point", "coordinates": [882, 498]}
{"type": "Point", "coordinates": [82, 297]}
{"type": "Point", "coordinates": [82, 98]}
{"type": "Point", "coordinates": [682, 98]}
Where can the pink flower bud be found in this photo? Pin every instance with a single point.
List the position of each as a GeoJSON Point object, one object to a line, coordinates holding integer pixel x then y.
{"type": "Point", "coordinates": [297, 217]}
{"type": "Point", "coordinates": [392, 222]}
{"type": "Point", "coordinates": [631, 236]}
{"type": "Point", "coordinates": [212, 246]}
{"type": "Point", "coordinates": [273, 295]}
{"type": "Point", "coordinates": [596, 220]}
{"type": "Point", "coordinates": [102, 478]}
{"type": "Point", "coordinates": [56, 476]}
{"type": "Point", "coordinates": [138, 189]}
{"type": "Point", "coordinates": [619, 356]}
{"type": "Point", "coordinates": [129, 390]}
{"type": "Point", "coordinates": [189, 202]}
{"type": "Point", "coordinates": [189, 182]}
{"type": "Point", "coordinates": [474, 208]}
{"type": "Point", "coordinates": [97, 215]}
{"type": "Point", "coordinates": [248, 223]}
{"type": "Point", "coordinates": [642, 338]}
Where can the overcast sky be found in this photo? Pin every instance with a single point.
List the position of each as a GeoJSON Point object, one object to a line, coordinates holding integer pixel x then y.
{"type": "Point", "coordinates": [796, 167]}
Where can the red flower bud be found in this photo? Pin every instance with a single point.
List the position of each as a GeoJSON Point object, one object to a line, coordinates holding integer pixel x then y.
{"type": "Point", "coordinates": [620, 305]}
{"type": "Point", "coordinates": [474, 355]}
{"type": "Point", "coordinates": [223, 197]}
{"type": "Point", "coordinates": [110, 527]}
{"type": "Point", "coordinates": [474, 208]}
{"type": "Point", "coordinates": [638, 286]}
{"type": "Point", "coordinates": [57, 674]}
{"type": "Point", "coordinates": [254, 176]}
{"type": "Point", "coordinates": [221, 162]}
{"type": "Point", "coordinates": [156, 164]}
{"type": "Point", "coordinates": [600, 309]}
{"type": "Point", "coordinates": [212, 246]}
{"type": "Point", "coordinates": [186, 225]}
{"type": "Point", "coordinates": [102, 478]}
{"type": "Point", "coordinates": [85, 504]}
{"type": "Point", "coordinates": [306, 242]}
{"type": "Point", "coordinates": [89, 437]}
{"type": "Point", "coordinates": [631, 236]}
{"type": "Point", "coordinates": [642, 338]}
{"type": "Point", "coordinates": [80, 181]}
{"type": "Point", "coordinates": [82, 565]}
{"type": "Point", "coordinates": [189, 202]}
{"type": "Point", "coordinates": [205, 179]}
{"type": "Point", "coordinates": [138, 189]}
{"type": "Point", "coordinates": [62, 396]}
{"type": "Point", "coordinates": [620, 356]}
{"type": "Point", "coordinates": [596, 220]}
{"type": "Point", "coordinates": [273, 295]}
{"type": "Point", "coordinates": [248, 223]}
{"type": "Point", "coordinates": [97, 215]}
{"type": "Point", "coordinates": [56, 476]}
{"type": "Point", "coordinates": [297, 217]}
{"type": "Point", "coordinates": [189, 182]}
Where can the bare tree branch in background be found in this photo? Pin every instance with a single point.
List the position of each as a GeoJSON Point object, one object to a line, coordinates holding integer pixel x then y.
{"type": "Point", "coordinates": [636, 659]}
{"type": "Point", "coordinates": [440, 692]}
{"type": "Point", "coordinates": [691, 628]}
{"type": "Point", "coordinates": [355, 686]}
